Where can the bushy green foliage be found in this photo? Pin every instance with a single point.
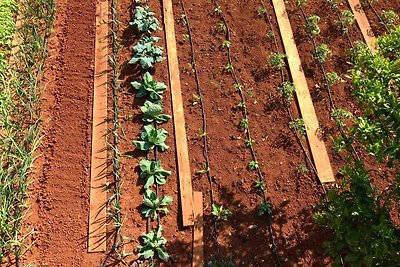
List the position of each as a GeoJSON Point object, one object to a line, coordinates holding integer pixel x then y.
{"type": "Point", "coordinates": [363, 233]}
{"type": "Point", "coordinates": [376, 82]}
{"type": "Point", "coordinates": [220, 213]}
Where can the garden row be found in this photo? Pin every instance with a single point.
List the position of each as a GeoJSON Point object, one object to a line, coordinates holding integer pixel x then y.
{"type": "Point", "coordinates": [25, 26]}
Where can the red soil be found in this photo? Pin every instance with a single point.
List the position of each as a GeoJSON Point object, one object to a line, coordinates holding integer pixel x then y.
{"type": "Point", "coordinates": [60, 202]}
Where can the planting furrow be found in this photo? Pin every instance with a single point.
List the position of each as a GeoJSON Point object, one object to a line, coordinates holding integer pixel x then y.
{"type": "Point", "coordinates": [204, 129]}
{"type": "Point", "coordinates": [330, 79]}
{"type": "Point", "coordinates": [265, 206]}
{"type": "Point", "coordinates": [286, 89]}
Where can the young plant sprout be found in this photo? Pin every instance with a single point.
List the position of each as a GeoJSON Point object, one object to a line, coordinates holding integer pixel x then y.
{"type": "Point", "coordinates": [253, 165]}
{"type": "Point", "coordinates": [277, 60]}
{"type": "Point", "coordinates": [340, 115]}
{"type": "Point", "coordinates": [220, 213]}
{"type": "Point", "coordinates": [321, 53]}
{"type": "Point", "coordinates": [312, 26]}
{"type": "Point", "coordinates": [390, 18]}
{"type": "Point", "coordinates": [332, 79]}
{"type": "Point", "coordinates": [298, 126]}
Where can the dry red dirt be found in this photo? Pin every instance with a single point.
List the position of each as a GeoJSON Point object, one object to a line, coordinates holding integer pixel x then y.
{"type": "Point", "coordinates": [60, 191]}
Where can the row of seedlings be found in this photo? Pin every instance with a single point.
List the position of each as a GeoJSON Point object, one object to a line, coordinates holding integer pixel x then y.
{"type": "Point", "coordinates": [321, 54]}
{"type": "Point", "coordinates": [152, 138]}
{"type": "Point", "coordinates": [219, 213]}
{"type": "Point", "coordinates": [387, 18]}
{"type": "Point", "coordinates": [286, 90]}
{"type": "Point", "coordinates": [114, 214]}
{"type": "Point", "coordinates": [265, 208]}
{"type": "Point", "coordinates": [23, 52]}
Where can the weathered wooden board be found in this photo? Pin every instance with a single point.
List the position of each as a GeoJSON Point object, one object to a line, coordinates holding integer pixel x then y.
{"type": "Point", "coordinates": [98, 177]}
{"type": "Point", "coordinates": [363, 23]}
{"type": "Point", "coordinates": [198, 242]}
{"type": "Point", "coordinates": [318, 149]}
{"type": "Point", "coordinates": [185, 180]}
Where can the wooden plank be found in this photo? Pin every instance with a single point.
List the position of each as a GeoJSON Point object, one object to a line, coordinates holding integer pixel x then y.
{"type": "Point", "coordinates": [98, 179]}
{"type": "Point", "coordinates": [198, 243]}
{"type": "Point", "coordinates": [185, 180]}
{"type": "Point", "coordinates": [317, 146]}
{"type": "Point", "coordinates": [363, 23]}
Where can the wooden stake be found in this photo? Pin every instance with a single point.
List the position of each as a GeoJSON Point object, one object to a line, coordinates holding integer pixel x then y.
{"type": "Point", "coordinates": [98, 179]}
{"type": "Point", "coordinates": [318, 149]}
{"type": "Point", "coordinates": [185, 180]}
{"type": "Point", "coordinates": [363, 23]}
{"type": "Point", "coordinates": [198, 243]}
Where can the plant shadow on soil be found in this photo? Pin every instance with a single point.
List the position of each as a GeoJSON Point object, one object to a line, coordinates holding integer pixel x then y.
{"type": "Point", "coordinates": [248, 244]}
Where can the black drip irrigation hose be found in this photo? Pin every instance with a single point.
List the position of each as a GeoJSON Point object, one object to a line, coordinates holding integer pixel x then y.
{"type": "Point", "coordinates": [248, 135]}
{"type": "Point", "coordinates": [331, 101]}
{"type": "Point", "coordinates": [343, 26]}
{"type": "Point", "coordinates": [377, 15]}
{"type": "Point", "coordinates": [204, 118]}
{"type": "Point", "coordinates": [287, 105]}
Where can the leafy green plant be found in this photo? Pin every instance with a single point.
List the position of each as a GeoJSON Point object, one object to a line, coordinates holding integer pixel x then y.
{"type": "Point", "coordinates": [249, 142]}
{"type": "Point", "coordinates": [244, 124]}
{"type": "Point", "coordinates": [271, 34]}
{"type": "Point", "coordinates": [220, 213]}
{"type": "Point", "coordinates": [218, 10]}
{"type": "Point", "coordinates": [149, 87]}
{"type": "Point", "coordinates": [375, 79]}
{"type": "Point", "coordinates": [302, 168]}
{"type": "Point", "coordinates": [261, 10]}
{"type": "Point", "coordinates": [298, 126]}
{"type": "Point", "coordinates": [226, 44]}
{"type": "Point", "coordinates": [390, 18]}
{"type": "Point", "coordinates": [153, 112]}
{"type": "Point", "coordinates": [333, 3]}
{"type": "Point", "coordinates": [152, 172]}
{"type": "Point", "coordinates": [277, 60]}
{"type": "Point", "coordinates": [153, 243]}
{"type": "Point", "coordinates": [146, 53]}
{"type": "Point", "coordinates": [259, 184]}
{"type": "Point", "coordinates": [253, 165]}
{"type": "Point", "coordinates": [340, 115]}
{"type": "Point", "coordinates": [301, 3]}
{"type": "Point", "coordinates": [145, 21]}
{"type": "Point", "coordinates": [286, 90]}
{"type": "Point", "coordinates": [265, 209]}
{"type": "Point", "coordinates": [221, 27]}
{"type": "Point", "coordinates": [332, 79]}
{"type": "Point", "coordinates": [152, 138]}
{"type": "Point", "coordinates": [363, 233]}
{"type": "Point", "coordinates": [228, 67]}
{"type": "Point", "coordinates": [347, 17]}
{"type": "Point", "coordinates": [321, 53]}
{"type": "Point", "coordinates": [153, 206]}
{"type": "Point", "coordinates": [238, 86]}
{"type": "Point", "coordinates": [312, 26]}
